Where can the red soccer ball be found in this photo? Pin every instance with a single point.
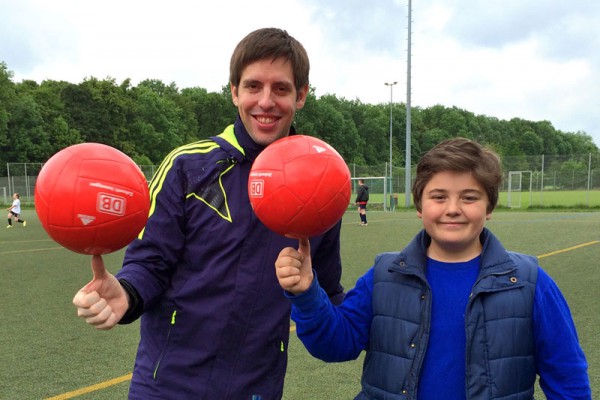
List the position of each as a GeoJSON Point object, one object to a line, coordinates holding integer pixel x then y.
{"type": "Point", "coordinates": [92, 198]}
{"type": "Point", "coordinates": [299, 186]}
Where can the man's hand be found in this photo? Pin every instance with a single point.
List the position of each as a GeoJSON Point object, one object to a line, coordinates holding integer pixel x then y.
{"type": "Point", "coordinates": [102, 302]}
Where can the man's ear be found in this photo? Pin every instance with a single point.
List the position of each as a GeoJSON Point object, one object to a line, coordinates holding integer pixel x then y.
{"type": "Point", "coordinates": [301, 97]}
{"type": "Point", "coordinates": [234, 94]}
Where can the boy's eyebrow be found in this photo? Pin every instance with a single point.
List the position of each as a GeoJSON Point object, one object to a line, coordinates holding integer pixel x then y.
{"type": "Point", "coordinates": [469, 190]}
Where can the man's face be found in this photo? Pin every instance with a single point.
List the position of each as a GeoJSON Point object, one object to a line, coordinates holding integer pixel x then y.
{"type": "Point", "coordinates": [454, 211]}
{"type": "Point", "coordinates": [267, 99]}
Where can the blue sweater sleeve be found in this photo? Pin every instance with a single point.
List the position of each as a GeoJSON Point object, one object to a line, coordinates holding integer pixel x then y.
{"type": "Point", "coordinates": [334, 333]}
{"type": "Point", "coordinates": [560, 361]}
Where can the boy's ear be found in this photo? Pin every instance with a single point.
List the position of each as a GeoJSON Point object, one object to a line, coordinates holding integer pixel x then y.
{"type": "Point", "coordinates": [419, 214]}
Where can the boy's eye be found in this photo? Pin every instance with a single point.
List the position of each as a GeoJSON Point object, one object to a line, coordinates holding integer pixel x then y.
{"type": "Point", "coordinates": [471, 198]}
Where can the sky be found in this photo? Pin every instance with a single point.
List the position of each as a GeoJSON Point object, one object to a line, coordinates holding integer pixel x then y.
{"type": "Point", "coordinates": [538, 60]}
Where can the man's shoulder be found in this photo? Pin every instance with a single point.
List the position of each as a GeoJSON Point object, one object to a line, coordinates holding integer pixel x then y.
{"type": "Point", "coordinates": [204, 149]}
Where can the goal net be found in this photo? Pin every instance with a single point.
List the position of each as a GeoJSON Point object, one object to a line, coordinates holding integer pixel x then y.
{"type": "Point", "coordinates": [379, 196]}
{"type": "Point", "coordinates": [518, 182]}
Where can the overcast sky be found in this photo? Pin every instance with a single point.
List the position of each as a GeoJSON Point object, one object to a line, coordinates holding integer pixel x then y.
{"type": "Point", "coordinates": [534, 59]}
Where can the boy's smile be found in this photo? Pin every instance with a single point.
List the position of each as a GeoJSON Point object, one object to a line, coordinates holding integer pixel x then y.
{"type": "Point", "coordinates": [454, 211]}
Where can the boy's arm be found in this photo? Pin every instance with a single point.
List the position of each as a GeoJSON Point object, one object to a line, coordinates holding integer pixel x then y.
{"type": "Point", "coordinates": [327, 263]}
{"type": "Point", "coordinates": [334, 333]}
{"type": "Point", "coordinates": [560, 361]}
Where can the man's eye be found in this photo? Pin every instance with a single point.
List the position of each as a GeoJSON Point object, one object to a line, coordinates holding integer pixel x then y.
{"type": "Point", "coordinates": [251, 86]}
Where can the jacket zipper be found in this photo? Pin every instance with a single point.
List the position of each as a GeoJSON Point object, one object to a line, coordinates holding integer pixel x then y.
{"type": "Point", "coordinates": [162, 354]}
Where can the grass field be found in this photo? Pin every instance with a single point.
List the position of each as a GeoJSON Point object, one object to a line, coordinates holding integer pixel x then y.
{"type": "Point", "coordinates": [48, 353]}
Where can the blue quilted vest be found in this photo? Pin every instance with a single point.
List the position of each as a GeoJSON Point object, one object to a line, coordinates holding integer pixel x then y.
{"type": "Point", "coordinates": [499, 325]}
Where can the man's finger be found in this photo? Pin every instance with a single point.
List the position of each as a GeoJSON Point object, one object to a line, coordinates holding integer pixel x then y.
{"type": "Point", "coordinates": [98, 268]}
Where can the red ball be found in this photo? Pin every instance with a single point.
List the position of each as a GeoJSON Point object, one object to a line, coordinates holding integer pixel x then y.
{"type": "Point", "coordinates": [92, 198]}
{"type": "Point", "coordinates": [299, 186]}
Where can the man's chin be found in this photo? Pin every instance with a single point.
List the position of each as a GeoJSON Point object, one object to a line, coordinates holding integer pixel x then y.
{"type": "Point", "coordinates": [266, 138]}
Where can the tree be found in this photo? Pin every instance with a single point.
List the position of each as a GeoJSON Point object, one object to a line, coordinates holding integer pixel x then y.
{"type": "Point", "coordinates": [7, 97]}
{"type": "Point", "coordinates": [28, 139]}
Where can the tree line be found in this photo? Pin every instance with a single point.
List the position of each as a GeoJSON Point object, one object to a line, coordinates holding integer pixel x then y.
{"type": "Point", "coordinates": [146, 121]}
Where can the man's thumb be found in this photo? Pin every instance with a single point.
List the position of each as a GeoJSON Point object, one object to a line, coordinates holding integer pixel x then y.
{"type": "Point", "coordinates": [98, 268]}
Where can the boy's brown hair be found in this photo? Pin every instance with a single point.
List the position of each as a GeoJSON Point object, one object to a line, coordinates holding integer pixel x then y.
{"type": "Point", "coordinates": [460, 155]}
{"type": "Point", "coordinates": [269, 43]}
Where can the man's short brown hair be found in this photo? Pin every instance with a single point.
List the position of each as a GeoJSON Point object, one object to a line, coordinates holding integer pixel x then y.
{"type": "Point", "coordinates": [269, 43]}
{"type": "Point", "coordinates": [460, 155]}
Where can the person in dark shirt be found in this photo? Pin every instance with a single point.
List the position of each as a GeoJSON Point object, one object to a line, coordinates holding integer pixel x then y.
{"type": "Point", "coordinates": [362, 199]}
{"type": "Point", "coordinates": [214, 321]}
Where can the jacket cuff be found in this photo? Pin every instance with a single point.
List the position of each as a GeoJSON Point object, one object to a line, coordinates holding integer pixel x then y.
{"type": "Point", "coordinates": [136, 303]}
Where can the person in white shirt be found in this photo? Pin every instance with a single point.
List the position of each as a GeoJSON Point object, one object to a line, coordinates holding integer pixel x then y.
{"type": "Point", "coordinates": [14, 211]}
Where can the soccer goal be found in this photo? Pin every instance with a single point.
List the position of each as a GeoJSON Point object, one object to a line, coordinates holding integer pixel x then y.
{"type": "Point", "coordinates": [378, 192]}
{"type": "Point", "coordinates": [517, 184]}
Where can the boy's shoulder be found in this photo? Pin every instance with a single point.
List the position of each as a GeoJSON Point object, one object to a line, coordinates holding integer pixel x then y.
{"type": "Point", "coordinates": [526, 264]}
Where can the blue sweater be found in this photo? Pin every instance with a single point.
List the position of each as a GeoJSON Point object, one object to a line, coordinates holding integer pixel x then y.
{"type": "Point", "coordinates": [340, 333]}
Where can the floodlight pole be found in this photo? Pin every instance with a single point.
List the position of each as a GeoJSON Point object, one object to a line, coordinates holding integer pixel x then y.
{"type": "Point", "coordinates": [391, 85]}
{"type": "Point", "coordinates": [407, 166]}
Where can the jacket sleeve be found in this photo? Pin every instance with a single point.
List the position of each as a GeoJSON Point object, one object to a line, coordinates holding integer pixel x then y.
{"type": "Point", "coordinates": [560, 361]}
{"type": "Point", "coordinates": [334, 333]}
{"type": "Point", "coordinates": [150, 259]}
{"type": "Point", "coordinates": [327, 263]}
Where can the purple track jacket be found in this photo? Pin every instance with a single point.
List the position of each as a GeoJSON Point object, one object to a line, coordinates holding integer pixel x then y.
{"type": "Point", "coordinates": [214, 320]}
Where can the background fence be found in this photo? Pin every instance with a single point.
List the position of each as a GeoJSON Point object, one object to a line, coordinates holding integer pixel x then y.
{"type": "Point", "coordinates": [528, 181]}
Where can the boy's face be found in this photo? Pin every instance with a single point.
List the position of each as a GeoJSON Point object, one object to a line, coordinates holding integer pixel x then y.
{"type": "Point", "coordinates": [454, 211]}
{"type": "Point", "coordinates": [267, 99]}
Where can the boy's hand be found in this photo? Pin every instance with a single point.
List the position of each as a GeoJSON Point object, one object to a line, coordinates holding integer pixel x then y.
{"type": "Point", "coordinates": [294, 268]}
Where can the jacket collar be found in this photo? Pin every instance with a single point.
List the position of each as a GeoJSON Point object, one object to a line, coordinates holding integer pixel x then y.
{"type": "Point", "coordinates": [493, 254]}
{"type": "Point", "coordinates": [247, 146]}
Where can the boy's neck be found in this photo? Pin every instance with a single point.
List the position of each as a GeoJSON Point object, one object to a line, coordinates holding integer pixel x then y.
{"type": "Point", "coordinates": [453, 254]}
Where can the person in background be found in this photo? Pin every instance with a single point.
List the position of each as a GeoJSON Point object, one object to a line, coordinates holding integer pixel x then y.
{"type": "Point", "coordinates": [454, 315]}
{"type": "Point", "coordinates": [362, 199]}
{"type": "Point", "coordinates": [214, 321]}
{"type": "Point", "coordinates": [14, 212]}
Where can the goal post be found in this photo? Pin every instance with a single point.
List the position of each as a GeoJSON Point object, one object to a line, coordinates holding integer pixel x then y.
{"type": "Point", "coordinates": [519, 182]}
{"type": "Point", "coordinates": [379, 196]}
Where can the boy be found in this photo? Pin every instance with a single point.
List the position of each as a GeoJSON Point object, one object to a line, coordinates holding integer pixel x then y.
{"type": "Point", "coordinates": [454, 315]}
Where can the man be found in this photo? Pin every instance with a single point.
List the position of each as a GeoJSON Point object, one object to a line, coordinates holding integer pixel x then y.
{"type": "Point", "coordinates": [215, 324]}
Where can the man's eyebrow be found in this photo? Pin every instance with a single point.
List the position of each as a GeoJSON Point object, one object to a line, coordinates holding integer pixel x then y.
{"type": "Point", "coordinates": [250, 81]}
